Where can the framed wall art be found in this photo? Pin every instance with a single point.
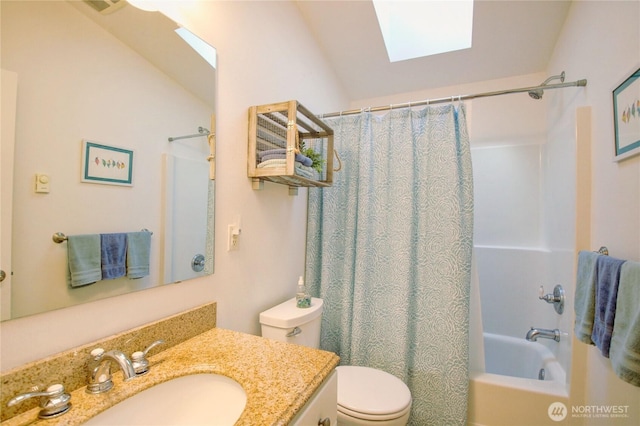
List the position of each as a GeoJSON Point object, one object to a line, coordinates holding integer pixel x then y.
{"type": "Point", "coordinates": [626, 116]}
{"type": "Point", "coordinates": [106, 164]}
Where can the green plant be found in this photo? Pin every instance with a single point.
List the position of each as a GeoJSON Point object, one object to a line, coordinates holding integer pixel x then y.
{"type": "Point", "coordinates": [317, 160]}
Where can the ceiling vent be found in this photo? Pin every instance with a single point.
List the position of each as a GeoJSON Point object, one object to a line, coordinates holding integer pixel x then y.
{"type": "Point", "coordinates": [106, 6]}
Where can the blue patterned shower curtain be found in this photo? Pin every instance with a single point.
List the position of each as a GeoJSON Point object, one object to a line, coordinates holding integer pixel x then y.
{"type": "Point", "coordinates": [389, 250]}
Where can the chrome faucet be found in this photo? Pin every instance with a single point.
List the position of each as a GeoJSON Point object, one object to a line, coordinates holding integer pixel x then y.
{"type": "Point", "coordinates": [535, 333]}
{"type": "Point", "coordinates": [100, 379]}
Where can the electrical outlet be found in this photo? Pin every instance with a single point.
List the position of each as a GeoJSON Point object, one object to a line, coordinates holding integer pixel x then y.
{"type": "Point", "coordinates": [233, 238]}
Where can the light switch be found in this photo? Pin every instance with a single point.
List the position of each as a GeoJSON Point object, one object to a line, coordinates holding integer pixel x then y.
{"type": "Point", "coordinates": [42, 183]}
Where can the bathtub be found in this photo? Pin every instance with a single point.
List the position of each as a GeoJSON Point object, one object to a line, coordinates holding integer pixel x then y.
{"type": "Point", "coordinates": [509, 391]}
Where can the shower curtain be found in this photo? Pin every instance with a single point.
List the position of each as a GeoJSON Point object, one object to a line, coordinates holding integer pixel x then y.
{"type": "Point", "coordinates": [389, 250]}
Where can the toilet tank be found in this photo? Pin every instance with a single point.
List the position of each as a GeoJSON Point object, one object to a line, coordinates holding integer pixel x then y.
{"type": "Point", "coordinates": [288, 323]}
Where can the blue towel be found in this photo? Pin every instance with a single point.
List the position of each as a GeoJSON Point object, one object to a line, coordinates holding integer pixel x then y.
{"type": "Point", "coordinates": [272, 151]}
{"type": "Point", "coordinates": [585, 295]}
{"type": "Point", "coordinates": [113, 249]}
{"type": "Point", "coordinates": [607, 281]}
{"type": "Point", "coordinates": [83, 253]}
{"type": "Point", "coordinates": [625, 341]}
{"type": "Point", "coordinates": [138, 253]}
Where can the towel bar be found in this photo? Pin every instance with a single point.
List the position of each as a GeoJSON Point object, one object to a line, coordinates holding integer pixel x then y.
{"type": "Point", "coordinates": [59, 237]}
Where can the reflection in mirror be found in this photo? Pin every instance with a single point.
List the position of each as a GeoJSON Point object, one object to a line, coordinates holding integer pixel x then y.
{"type": "Point", "coordinates": [125, 80]}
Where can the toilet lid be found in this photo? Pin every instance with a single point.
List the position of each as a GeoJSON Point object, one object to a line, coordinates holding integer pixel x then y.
{"type": "Point", "coordinates": [368, 393]}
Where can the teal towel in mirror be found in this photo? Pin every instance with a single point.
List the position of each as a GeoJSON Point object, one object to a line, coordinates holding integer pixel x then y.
{"type": "Point", "coordinates": [84, 259]}
{"type": "Point", "coordinates": [138, 253]}
{"type": "Point", "coordinates": [114, 255]}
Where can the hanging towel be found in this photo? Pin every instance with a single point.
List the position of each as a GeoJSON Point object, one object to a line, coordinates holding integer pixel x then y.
{"type": "Point", "coordinates": [83, 253]}
{"type": "Point", "coordinates": [607, 281]}
{"type": "Point", "coordinates": [138, 252]}
{"type": "Point", "coordinates": [584, 300]}
{"type": "Point", "coordinates": [113, 248]}
{"type": "Point", "coordinates": [625, 341]}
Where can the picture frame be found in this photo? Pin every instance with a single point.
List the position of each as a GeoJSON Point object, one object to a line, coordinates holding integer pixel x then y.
{"type": "Point", "coordinates": [626, 116]}
{"type": "Point", "coordinates": [106, 164]}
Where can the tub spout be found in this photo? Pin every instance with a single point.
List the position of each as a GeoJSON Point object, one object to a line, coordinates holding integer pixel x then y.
{"type": "Point", "coordinates": [535, 333]}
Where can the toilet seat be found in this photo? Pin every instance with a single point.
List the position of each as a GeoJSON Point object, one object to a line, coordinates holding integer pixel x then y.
{"type": "Point", "coordinates": [371, 394]}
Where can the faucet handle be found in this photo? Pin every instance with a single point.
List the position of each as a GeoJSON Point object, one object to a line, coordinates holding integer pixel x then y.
{"type": "Point", "coordinates": [53, 402]}
{"type": "Point", "coordinates": [557, 298]}
{"type": "Point", "coordinates": [139, 359]}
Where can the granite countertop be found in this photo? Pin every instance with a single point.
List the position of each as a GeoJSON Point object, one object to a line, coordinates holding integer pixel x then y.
{"type": "Point", "coordinates": [279, 378]}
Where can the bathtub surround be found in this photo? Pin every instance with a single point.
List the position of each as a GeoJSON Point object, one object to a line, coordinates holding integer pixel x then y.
{"type": "Point", "coordinates": [389, 251]}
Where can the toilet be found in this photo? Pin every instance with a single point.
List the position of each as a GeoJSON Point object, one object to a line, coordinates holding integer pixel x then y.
{"type": "Point", "coordinates": [366, 396]}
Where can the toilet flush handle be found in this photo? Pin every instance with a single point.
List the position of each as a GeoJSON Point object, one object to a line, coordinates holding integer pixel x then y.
{"type": "Point", "coordinates": [294, 332]}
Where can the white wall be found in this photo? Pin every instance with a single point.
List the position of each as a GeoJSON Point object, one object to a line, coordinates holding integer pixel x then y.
{"type": "Point", "coordinates": [265, 55]}
{"type": "Point", "coordinates": [601, 41]}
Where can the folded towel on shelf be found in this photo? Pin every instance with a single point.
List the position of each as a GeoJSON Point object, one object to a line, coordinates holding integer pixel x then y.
{"type": "Point", "coordinates": [272, 152]}
{"type": "Point", "coordinates": [300, 169]}
{"type": "Point", "coordinates": [83, 253]}
{"type": "Point", "coordinates": [307, 172]}
{"type": "Point", "coordinates": [585, 295]}
{"type": "Point", "coordinates": [304, 160]}
{"type": "Point", "coordinates": [138, 253]}
{"type": "Point", "coordinates": [113, 248]}
{"type": "Point", "coordinates": [272, 163]}
{"type": "Point", "coordinates": [607, 281]}
{"type": "Point", "coordinates": [625, 341]}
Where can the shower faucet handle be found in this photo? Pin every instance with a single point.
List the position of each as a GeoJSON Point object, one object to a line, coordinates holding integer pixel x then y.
{"type": "Point", "coordinates": [557, 297]}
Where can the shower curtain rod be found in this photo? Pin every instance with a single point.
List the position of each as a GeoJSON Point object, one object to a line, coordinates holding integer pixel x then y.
{"type": "Point", "coordinates": [578, 83]}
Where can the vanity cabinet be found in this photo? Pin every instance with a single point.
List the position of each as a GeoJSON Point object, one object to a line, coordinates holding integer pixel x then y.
{"type": "Point", "coordinates": [322, 405]}
{"type": "Point", "coordinates": [289, 145]}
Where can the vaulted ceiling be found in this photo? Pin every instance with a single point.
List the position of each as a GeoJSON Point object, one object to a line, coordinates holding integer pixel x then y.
{"type": "Point", "coordinates": [510, 38]}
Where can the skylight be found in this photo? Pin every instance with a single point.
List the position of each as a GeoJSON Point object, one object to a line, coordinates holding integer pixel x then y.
{"type": "Point", "coordinates": [203, 48]}
{"type": "Point", "coordinates": [416, 28]}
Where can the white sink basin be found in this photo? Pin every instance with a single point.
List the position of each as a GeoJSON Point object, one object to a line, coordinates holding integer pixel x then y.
{"type": "Point", "coordinates": [197, 399]}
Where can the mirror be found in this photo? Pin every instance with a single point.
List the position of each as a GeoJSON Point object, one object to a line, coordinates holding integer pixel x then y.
{"type": "Point", "coordinates": [125, 81]}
